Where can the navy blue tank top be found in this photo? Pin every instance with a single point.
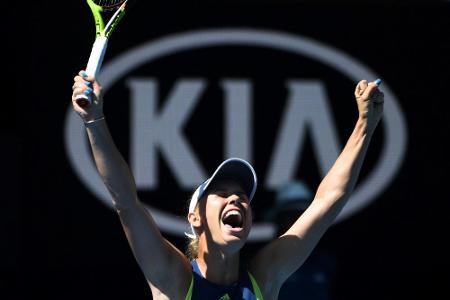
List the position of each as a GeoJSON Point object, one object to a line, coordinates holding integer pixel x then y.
{"type": "Point", "coordinates": [244, 289]}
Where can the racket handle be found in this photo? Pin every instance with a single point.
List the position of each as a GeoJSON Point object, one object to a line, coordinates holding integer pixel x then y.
{"type": "Point", "coordinates": [93, 66]}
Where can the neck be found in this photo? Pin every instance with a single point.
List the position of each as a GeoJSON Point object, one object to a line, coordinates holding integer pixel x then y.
{"type": "Point", "coordinates": [218, 266]}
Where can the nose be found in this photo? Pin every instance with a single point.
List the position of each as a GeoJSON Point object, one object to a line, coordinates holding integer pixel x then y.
{"type": "Point", "coordinates": [234, 199]}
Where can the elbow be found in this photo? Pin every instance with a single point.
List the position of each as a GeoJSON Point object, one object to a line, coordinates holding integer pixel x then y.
{"type": "Point", "coordinates": [119, 207]}
{"type": "Point", "coordinates": [330, 195]}
{"type": "Point", "coordinates": [122, 201]}
{"type": "Point", "coordinates": [330, 203]}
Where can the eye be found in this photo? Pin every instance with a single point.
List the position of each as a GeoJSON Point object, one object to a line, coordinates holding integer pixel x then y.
{"type": "Point", "coordinates": [225, 194]}
{"type": "Point", "coordinates": [243, 197]}
{"type": "Point", "coordinates": [222, 194]}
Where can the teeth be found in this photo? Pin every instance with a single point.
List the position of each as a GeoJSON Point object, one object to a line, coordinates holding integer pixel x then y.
{"type": "Point", "coordinates": [234, 213]}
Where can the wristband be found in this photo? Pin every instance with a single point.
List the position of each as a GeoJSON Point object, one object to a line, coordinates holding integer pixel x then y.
{"type": "Point", "coordinates": [93, 121]}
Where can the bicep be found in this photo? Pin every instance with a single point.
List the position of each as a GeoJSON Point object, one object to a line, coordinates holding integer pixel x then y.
{"type": "Point", "coordinates": [157, 258]}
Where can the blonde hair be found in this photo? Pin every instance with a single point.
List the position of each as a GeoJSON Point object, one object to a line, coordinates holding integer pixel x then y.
{"type": "Point", "coordinates": [192, 243]}
{"type": "Point", "coordinates": [192, 248]}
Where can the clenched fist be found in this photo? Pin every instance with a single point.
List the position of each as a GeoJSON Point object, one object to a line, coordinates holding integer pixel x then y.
{"type": "Point", "coordinates": [370, 102]}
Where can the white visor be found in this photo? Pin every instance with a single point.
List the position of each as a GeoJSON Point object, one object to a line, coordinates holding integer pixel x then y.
{"type": "Point", "coordinates": [235, 169]}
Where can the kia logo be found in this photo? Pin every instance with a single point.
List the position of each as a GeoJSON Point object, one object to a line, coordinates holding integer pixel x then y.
{"type": "Point", "coordinates": [160, 130]}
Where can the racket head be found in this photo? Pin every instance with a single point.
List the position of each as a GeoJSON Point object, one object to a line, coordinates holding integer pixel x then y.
{"type": "Point", "coordinates": [115, 19]}
{"type": "Point", "coordinates": [108, 4]}
{"type": "Point", "coordinates": [101, 6]}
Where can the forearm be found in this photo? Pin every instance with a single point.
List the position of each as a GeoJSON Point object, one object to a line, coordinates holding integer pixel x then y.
{"type": "Point", "coordinates": [340, 181]}
{"type": "Point", "coordinates": [111, 166]}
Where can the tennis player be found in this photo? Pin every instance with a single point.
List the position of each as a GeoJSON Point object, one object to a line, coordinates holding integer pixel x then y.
{"type": "Point", "coordinates": [220, 213]}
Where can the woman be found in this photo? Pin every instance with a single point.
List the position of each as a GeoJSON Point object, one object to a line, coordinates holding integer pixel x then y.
{"type": "Point", "coordinates": [220, 213]}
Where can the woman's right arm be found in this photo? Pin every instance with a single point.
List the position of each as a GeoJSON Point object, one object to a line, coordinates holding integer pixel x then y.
{"type": "Point", "coordinates": [158, 259]}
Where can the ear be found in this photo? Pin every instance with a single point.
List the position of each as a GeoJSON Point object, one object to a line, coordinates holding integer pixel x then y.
{"type": "Point", "coordinates": [194, 219]}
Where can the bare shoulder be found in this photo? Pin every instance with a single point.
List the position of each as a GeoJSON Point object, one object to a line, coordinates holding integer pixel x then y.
{"type": "Point", "coordinates": [164, 266]}
{"type": "Point", "coordinates": [263, 267]}
{"type": "Point", "coordinates": [175, 282]}
{"type": "Point", "coordinates": [175, 291]}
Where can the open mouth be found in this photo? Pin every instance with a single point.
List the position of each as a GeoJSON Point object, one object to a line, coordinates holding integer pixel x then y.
{"type": "Point", "coordinates": [233, 219]}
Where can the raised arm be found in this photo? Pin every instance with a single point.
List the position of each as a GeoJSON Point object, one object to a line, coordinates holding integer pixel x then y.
{"type": "Point", "coordinates": [158, 259]}
{"type": "Point", "coordinates": [289, 251]}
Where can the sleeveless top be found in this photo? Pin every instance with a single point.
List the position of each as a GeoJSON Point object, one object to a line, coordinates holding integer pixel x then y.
{"type": "Point", "coordinates": [245, 289]}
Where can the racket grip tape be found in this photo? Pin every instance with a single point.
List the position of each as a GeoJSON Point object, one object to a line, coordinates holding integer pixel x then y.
{"type": "Point", "coordinates": [93, 66]}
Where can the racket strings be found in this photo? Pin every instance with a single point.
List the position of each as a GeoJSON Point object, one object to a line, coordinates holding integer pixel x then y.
{"type": "Point", "coordinates": [109, 4]}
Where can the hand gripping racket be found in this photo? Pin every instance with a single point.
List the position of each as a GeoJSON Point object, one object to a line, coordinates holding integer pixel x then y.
{"type": "Point", "coordinates": [100, 8]}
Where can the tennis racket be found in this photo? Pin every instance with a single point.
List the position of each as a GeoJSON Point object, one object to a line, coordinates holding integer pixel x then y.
{"type": "Point", "coordinates": [100, 9]}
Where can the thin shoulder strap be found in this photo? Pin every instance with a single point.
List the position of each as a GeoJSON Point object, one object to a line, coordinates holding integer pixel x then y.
{"type": "Point", "coordinates": [255, 287]}
{"type": "Point", "coordinates": [195, 268]}
{"type": "Point", "coordinates": [191, 287]}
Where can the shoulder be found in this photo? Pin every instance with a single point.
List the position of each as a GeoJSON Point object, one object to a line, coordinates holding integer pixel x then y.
{"type": "Point", "coordinates": [264, 290]}
{"type": "Point", "coordinates": [267, 269]}
{"type": "Point", "coordinates": [177, 285]}
{"type": "Point", "coordinates": [174, 282]}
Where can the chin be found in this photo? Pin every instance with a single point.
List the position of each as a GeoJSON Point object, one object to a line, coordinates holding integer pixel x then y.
{"type": "Point", "coordinates": [233, 245]}
{"type": "Point", "coordinates": [234, 239]}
